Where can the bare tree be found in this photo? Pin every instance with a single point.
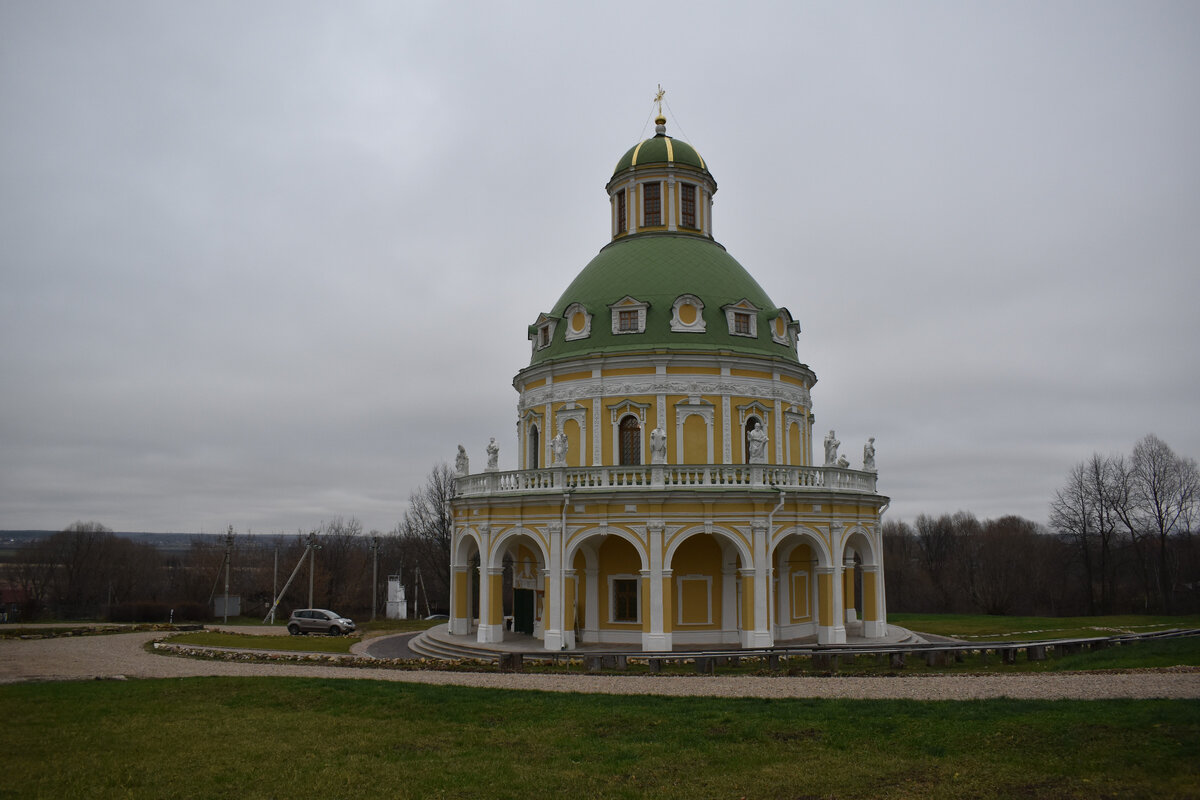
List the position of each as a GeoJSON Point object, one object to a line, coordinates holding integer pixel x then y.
{"type": "Point", "coordinates": [1086, 510]}
{"type": "Point", "coordinates": [1162, 493]}
{"type": "Point", "coordinates": [426, 533]}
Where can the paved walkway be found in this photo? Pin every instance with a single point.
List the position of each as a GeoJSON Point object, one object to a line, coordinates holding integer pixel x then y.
{"type": "Point", "coordinates": [124, 656]}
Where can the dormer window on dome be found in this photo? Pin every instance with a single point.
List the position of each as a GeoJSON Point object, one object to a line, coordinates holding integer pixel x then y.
{"type": "Point", "coordinates": [742, 317]}
{"type": "Point", "coordinates": [628, 316]}
{"type": "Point", "coordinates": [541, 332]}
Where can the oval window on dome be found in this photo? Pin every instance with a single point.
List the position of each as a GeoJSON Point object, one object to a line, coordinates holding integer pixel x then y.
{"type": "Point", "coordinates": [687, 314]}
{"type": "Point", "coordinates": [579, 322]}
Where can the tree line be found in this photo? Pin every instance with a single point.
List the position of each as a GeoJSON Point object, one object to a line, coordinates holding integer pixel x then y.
{"type": "Point", "coordinates": [88, 572]}
{"type": "Point", "coordinates": [1121, 540]}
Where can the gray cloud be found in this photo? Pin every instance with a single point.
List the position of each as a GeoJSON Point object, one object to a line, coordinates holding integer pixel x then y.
{"type": "Point", "coordinates": [266, 265]}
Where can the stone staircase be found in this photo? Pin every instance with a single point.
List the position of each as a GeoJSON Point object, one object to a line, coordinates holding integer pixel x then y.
{"type": "Point", "coordinates": [429, 644]}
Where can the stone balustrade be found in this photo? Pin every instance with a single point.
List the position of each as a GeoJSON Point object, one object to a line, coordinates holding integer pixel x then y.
{"type": "Point", "coordinates": [666, 477]}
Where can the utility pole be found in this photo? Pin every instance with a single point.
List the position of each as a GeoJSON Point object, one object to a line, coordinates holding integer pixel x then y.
{"type": "Point", "coordinates": [228, 550]}
{"type": "Point", "coordinates": [374, 574]}
{"type": "Point", "coordinates": [275, 581]}
{"type": "Point", "coordinates": [313, 547]}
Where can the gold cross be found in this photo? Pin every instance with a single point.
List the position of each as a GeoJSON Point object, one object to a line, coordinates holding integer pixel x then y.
{"type": "Point", "coordinates": [658, 98]}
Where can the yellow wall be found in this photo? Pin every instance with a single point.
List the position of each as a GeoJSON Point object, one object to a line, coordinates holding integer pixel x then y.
{"type": "Point", "coordinates": [795, 446]}
{"type": "Point", "coordinates": [825, 599]}
{"type": "Point", "coordinates": [699, 555]}
{"type": "Point", "coordinates": [495, 599]}
{"type": "Point", "coordinates": [799, 575]}
{"type": "Point", "coordinates": [574, 443]}
{"type": "Point", "coordinates": [617, 557]}
{"type": "Point", "coordinates": [460, 593]}
{"type": "Point", "coordinates": [695, 442]}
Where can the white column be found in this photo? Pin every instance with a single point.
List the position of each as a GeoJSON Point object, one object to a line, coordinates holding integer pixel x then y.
{"type": "Point", "coordinates": [851, 614]}
{"type": "Point", "coordinates": [657, 638]}
{"type": "Point", "coordinates": [670, 201]}
{"type": "Point", "coordinates": [553, 623]}
{"type": "Point", "coordinates": [779, 429]}
{"type": "Point", "coordinates": [761, 636]}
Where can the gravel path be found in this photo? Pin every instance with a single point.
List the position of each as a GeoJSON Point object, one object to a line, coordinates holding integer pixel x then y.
{"type": "Point", "coordinates": [110, 656]}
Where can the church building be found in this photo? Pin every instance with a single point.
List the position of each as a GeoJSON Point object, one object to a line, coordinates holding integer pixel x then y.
{"type": "Point", "coordinates": [667, 494]}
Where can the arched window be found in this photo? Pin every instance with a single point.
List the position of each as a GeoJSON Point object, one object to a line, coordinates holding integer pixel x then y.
{"type": "Point", "coordinates": [531, 455]}
{"type": "Point", "coordinates": [751, 424]}
{"type": "Point", "coordinates": [631, 441]}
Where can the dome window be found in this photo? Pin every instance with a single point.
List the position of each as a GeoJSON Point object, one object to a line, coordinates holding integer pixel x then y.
{"type": "Point", "coordinates": [579, 322]}
{"type": "Point", "coordinates": [622, 218]}
{"type": "Point", "coordinates": [687, 314]}
{"type": "Point", "coordinates": [541, 333]}
{"type": "Point", "coordinates": [628, 316]}
{"type": "Point", "coordinates": [687, 205]}
{"type": "Point", "coordinates": [742, 317]}
{"type": "Point", "coordinates": [651, 204]}
{"type": "Point", "coordinates": [784, 329]}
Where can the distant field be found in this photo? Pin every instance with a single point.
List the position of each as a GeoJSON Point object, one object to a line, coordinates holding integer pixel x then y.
{"type": "Point", "coordinates": [313, 738]}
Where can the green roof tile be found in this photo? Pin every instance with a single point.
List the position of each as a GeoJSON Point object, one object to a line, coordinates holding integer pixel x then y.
{"type": "Point", "coordinates": [657, 268]}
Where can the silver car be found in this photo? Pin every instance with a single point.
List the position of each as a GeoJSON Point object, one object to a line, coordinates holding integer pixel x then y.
{"type": "Point", "coordinates": [319, 620]}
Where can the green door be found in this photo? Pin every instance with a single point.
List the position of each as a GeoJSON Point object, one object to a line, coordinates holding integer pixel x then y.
{"type": "Point", "coordinates": [523, 611]}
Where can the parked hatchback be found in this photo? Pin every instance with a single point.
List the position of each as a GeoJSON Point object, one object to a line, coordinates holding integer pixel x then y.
{"type": "Point", "coordinates": [319, 620]}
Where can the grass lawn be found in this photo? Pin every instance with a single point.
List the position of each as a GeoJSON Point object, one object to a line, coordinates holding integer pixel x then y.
{"type": "Point", "coordinates": [302, 644]}
{"type": "Point", "coordinates": [298, 738]}
{"type": "Point", "coordinates": [981, 627]}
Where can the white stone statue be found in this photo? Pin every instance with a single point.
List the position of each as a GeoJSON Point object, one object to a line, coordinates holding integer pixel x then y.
{"type": "Point", "coordinates": [493, 454]}
{"type": "Point", "coordinates": [758, 445]}
{"type": "Point", "coordinates": [559, 448]}
{"type": "Point", "coordinates": [843, 462]}
{"type": "Point", "coordinates": [658, 446]}
{"type": "Point", "coordinates": [462, 465]}
{"type": "Point", "coordinates": [831, 449]}
{"type": "Point", "coordinates": [869, 455]}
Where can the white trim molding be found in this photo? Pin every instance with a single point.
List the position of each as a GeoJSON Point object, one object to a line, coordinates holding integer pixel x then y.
{"type": "Point", "coordinates": [697, 325]}
{"type": "Point", "coordinates": [572, 333]}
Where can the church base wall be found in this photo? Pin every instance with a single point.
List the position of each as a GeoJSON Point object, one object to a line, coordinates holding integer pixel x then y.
{"type": "Point", "coordinates": [787, 633]}
{"type": "Point", "coordinates": [724, 638]}
{"type": "Point", "coordinates": [490, 634]}
{"type": "Point", "coordinates": [756, 639]}
{"type": "Point", "coordinates": [831, 634]}
{"type": "Point", "coordinates": [654, 642]}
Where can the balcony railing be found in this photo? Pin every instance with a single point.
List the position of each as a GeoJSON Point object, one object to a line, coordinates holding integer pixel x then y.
{"type": "Point", "coordinates": [664, 476]}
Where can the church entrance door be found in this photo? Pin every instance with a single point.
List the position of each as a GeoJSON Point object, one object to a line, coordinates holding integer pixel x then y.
{"type": "Point", "coordinates": [523, 611]}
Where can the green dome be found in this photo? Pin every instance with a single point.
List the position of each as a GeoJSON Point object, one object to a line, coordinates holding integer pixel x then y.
{"type": "Point", "coordinates": [662, 149]}
{"type": "Point", "coordinates": [656, 268]}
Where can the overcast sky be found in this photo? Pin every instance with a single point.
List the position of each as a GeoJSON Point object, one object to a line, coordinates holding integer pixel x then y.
{"type": "Point", "coordinates": [265, 264]}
